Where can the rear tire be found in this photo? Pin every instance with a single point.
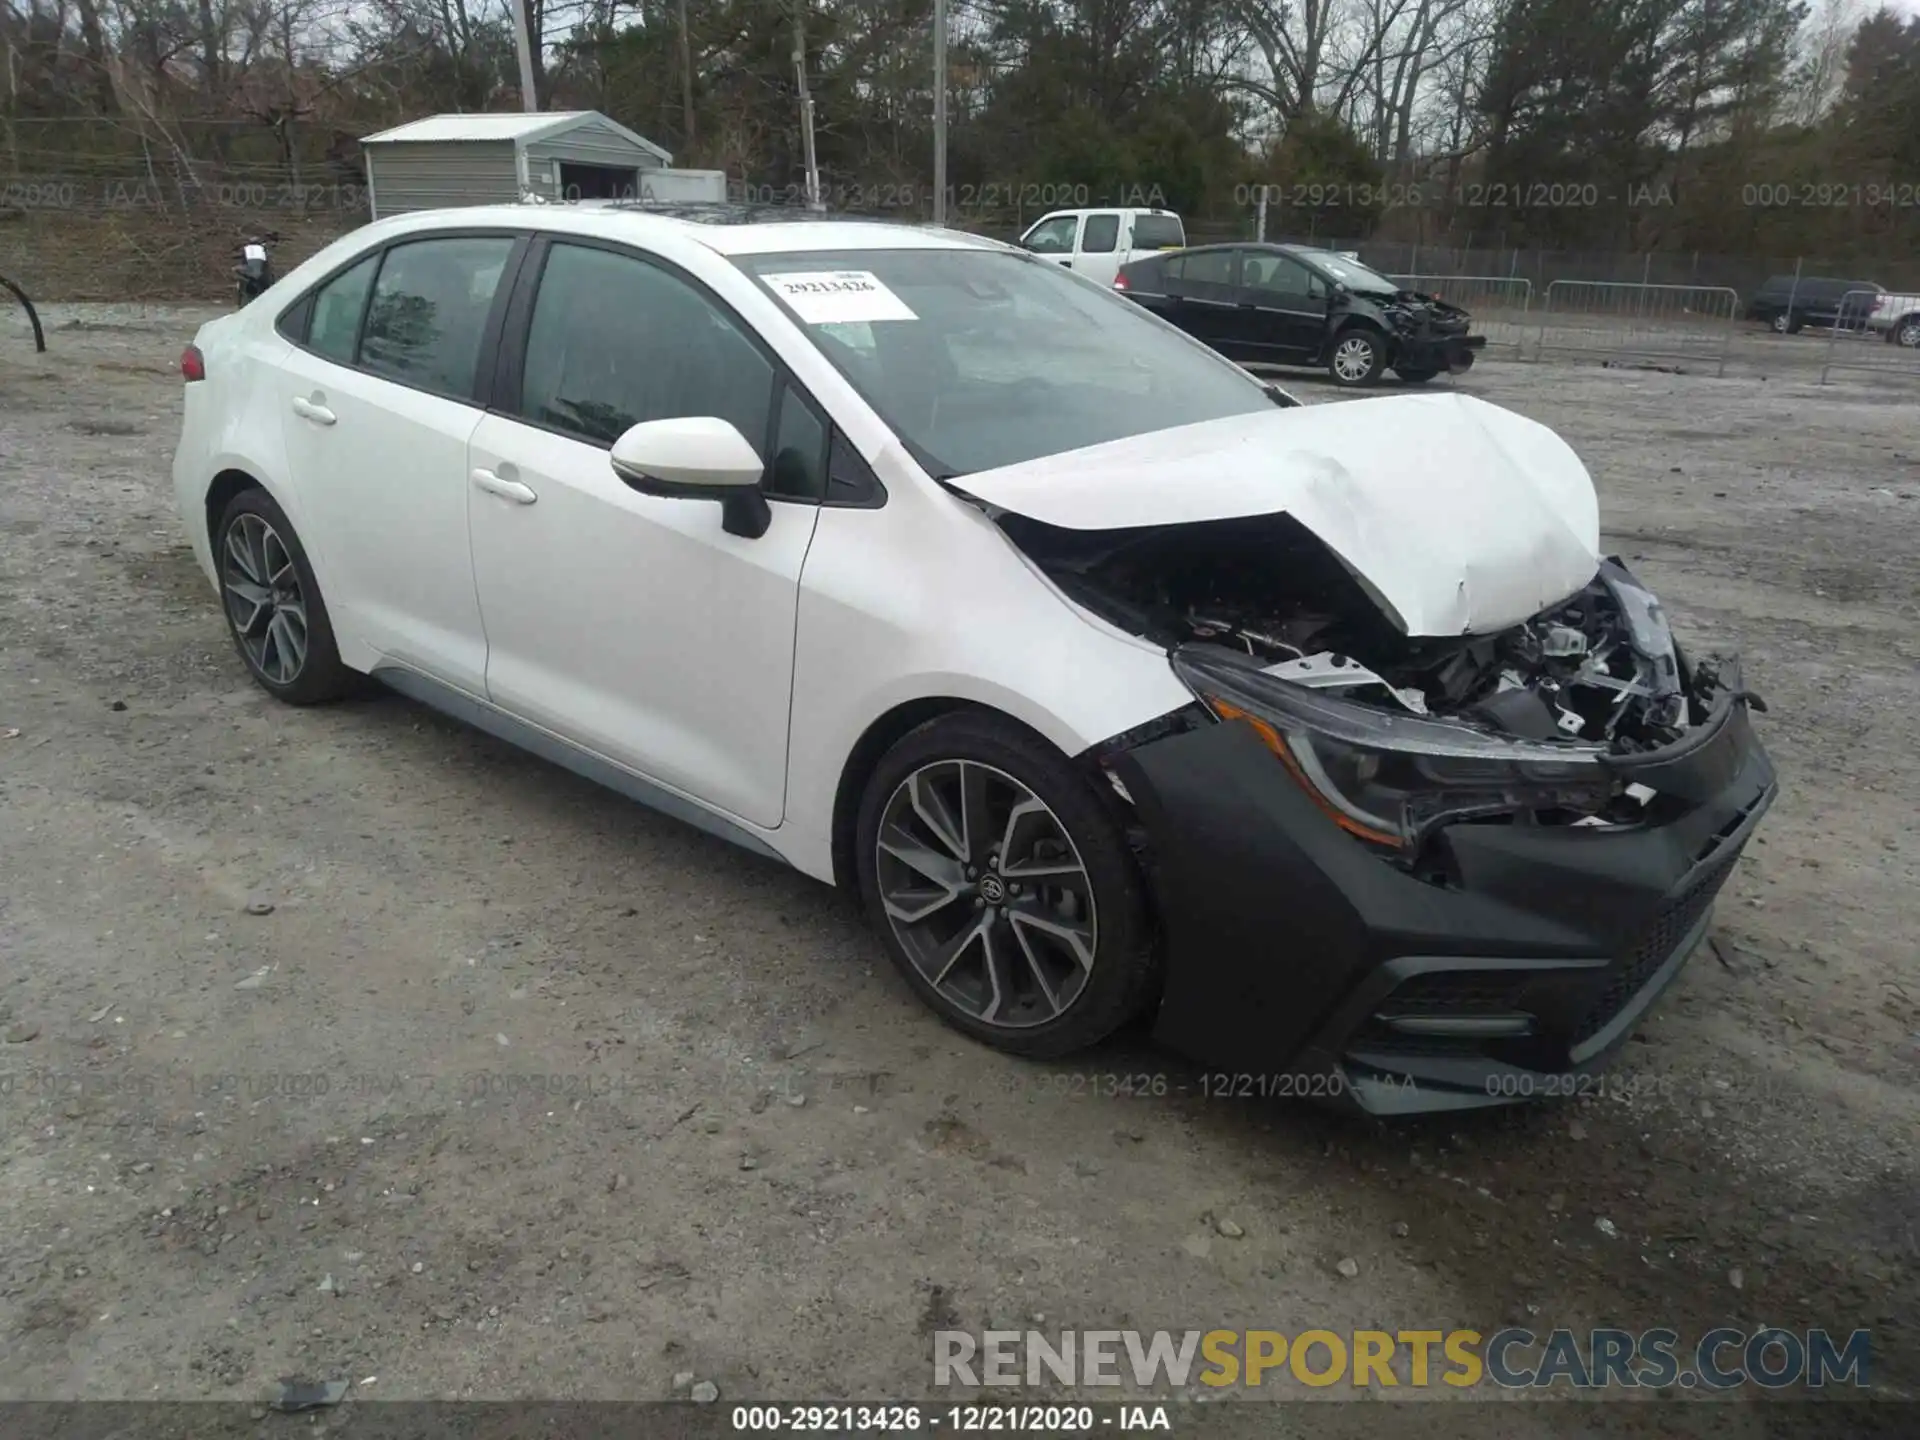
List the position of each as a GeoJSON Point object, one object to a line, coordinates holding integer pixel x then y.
{"type": "Point", "coordinates": [272, 602]}
{"type": "Point", "coordinates": [1358, 356]}
{"type": "Point", "coordinates": [1907, 333]}
{"type": "Point", "coordinates": [1002, 885]}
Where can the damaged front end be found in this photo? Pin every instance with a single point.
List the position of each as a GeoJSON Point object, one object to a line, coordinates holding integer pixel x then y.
{"type": "Point", "coordinates": [1431, 332]}
{"type": "Point", "coordinates": [1429, 870]}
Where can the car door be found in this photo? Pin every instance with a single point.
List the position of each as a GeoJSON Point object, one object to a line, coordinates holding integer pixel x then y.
{"type": "Point", "coordinates": [633, 624]}
{"type": "Point", "coordinates": [1283, 308]}
{"type": "Point", "coordinates": [1098, 255]}
{"type": "Point", "coordinates": [377, 405]}
{"type": "Point", "coordinates": [1053, 237]}
{"type": "Point", "coordinates": [1200, 285]}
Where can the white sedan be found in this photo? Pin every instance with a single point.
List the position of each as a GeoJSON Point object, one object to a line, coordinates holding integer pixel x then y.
{"type": "Point", "coordinates": [1115, 681]}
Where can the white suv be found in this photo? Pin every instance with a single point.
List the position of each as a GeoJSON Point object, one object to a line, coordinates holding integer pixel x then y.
{"type": "Point", "coordinates": [1096, 243]}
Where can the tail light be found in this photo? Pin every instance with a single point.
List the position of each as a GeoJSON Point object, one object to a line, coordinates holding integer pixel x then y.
{"type": "Point", "coordinates": [1119, 282]}
{"type": "Point", "coordinates": [193, 365]}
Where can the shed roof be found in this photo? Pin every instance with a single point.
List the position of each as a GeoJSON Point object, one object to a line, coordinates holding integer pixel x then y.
{"type": "Point", "coordinates": [537, 125]}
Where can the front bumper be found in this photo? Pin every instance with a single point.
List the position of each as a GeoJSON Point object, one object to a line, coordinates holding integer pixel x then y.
{"type": "Point", "coordinates": [1452, 353]}
{"type": "Point", "coordinates": [1296, 956]}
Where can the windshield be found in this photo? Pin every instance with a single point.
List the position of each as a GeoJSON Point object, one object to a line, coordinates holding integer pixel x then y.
{"type": "Point", "coordinates": [980, 358]}
{"type": "Point", "coordinates": [1350, 273]}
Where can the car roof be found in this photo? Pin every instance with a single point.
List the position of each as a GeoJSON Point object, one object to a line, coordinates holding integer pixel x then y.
{"type": "Point", "coordinates": [724, 229]}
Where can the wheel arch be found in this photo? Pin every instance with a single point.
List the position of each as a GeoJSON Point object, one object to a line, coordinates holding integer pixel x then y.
{"type": "Point", "coordinates": [879, 737]}
{"type": "Point", "coordinates": [1359, 322]}
{"type": "Point", "coordinates": [220, 494]}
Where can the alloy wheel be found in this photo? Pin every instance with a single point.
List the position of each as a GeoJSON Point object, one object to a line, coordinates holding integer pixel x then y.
{"type": "Point", "coordinates": [268, 609]}
{"type": "Point", "coordinates": [1780, 324]}
{"type": "Point", "coordinates": [986, 893]}
{"type": "Point", "coordinates": [1909, 334]}
{"type": "Point", "coordinates": [1353, 358]}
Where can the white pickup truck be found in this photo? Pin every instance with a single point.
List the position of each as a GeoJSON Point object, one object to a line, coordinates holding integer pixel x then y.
{"type": "Point", "coordinates": [1096, 243]}
{"type": "Point", "coordinates": [1897, 319]}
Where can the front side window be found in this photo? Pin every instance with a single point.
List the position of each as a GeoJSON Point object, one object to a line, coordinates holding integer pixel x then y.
{"type": "Point", "coordinates": [798, 469]}
{"type": "Point", "coordinates": [335, 327]}
{"type": "Point", "coordinates": [1275, 277]}
{"type": "Point", "coordinates": [979, 358]}
{"type": "Point", "coordinates": [1101, 235]}
{"type": "Point", "coordinates": [1053, 237]}
{"type": "Point", "coordinates": [428, 316]}
{"type": "Point", "coordinates": [615, 341]}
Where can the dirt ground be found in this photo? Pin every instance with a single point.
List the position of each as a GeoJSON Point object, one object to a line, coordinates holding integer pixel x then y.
{"type": "Point", "coordinates": [521, 1090]}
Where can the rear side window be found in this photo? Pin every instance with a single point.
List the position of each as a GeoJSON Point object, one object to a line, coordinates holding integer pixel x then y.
{"type": "Point", "coordinates": [429, 311]}
{"type": "Point", "coordinates": [336, 312]}
{"type": "Point", "coordinates": [1101, 235]}
{"type": "Point", "coordinates": [1203, 267]}
{"type": "Point", "coordinates": [1158, 232]}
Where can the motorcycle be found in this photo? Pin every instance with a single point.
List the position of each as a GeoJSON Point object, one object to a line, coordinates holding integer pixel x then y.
{"type": "Point", "coordinates": [254, 273]}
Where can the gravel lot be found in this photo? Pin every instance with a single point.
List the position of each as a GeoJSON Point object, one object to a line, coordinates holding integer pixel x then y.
{"type": "Point", "coordinates": [519, 1090]}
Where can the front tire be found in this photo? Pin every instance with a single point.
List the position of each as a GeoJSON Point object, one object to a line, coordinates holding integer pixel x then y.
{"type": "Point", "coordinates": [273, 606]}
{"type": "Point", "coordinates": [1357, 358]}
{"type": "Point", "coordinates": [1003, 888]}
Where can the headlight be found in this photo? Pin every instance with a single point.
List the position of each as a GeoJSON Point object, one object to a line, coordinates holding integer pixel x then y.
{"type": "Point", "coordinates": [1385, 777]}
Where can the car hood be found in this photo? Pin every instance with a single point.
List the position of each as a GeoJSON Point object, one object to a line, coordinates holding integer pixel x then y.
{"type": "Point", "coordinates": [1457, 516]}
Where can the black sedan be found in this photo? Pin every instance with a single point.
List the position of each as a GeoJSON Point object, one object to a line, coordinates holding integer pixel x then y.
{"type": "Point", "coordinates": [1295, 305]}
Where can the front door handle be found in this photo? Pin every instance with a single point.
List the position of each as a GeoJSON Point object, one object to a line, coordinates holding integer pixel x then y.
{"type": "Point", "coordinates": [506, 489]}
{"type": "Point", "coordinates": [318, 414]}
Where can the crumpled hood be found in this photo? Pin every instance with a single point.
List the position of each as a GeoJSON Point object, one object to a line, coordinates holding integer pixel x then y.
{"type": "Point", "coordinates": [1458, 516]}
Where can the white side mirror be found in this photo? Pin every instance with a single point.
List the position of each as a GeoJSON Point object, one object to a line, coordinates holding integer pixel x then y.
{"type": "Point", "coordinates": [699, 457]}
{"type": "Point", "coordinates": [702, 453]}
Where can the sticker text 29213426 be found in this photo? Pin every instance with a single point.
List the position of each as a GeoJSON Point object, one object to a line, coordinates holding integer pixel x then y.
{"type": "Point", "coordinates": [837, 297]}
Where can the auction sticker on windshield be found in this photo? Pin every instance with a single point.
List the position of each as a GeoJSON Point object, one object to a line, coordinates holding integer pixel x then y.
{"type": "Point", "coordinates": [838, 297]}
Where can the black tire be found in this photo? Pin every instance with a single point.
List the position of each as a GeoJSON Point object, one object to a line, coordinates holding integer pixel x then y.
{"type": "Point", "coordinates": [1414, 375]}
{"type": "Point", "coordinates": [1124, 972]}
{"type": "Point", "coordinates": [1343, 352]}
{"type": "Point", "coordinates": [1906, 333]}
{"type": "Point", "coordinates": [1795, 324]}
{"type": "Point", "coordinates": [319, 676]}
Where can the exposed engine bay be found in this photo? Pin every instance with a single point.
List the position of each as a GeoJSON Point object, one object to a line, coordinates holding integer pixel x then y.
{"type": "Point", "coordinates": [1599, 668]}
{"type": "Point", "coordinates": [1413, 311]}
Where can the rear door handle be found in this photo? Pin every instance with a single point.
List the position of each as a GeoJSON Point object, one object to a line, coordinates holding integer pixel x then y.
{"type": "Point", "coordinates": [307, 410]}
{"type": "Point", "coordinates": [506, 489]}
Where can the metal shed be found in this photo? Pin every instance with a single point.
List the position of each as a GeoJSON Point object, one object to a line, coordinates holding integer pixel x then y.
{"type": "Point", "coordinates": [449, 160]}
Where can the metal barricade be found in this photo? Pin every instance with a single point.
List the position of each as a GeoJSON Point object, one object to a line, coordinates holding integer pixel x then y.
{"type": "Point", "coordinates": [1625, 320]}
{"type": "Point", "coordinates": [1499, 305]}
{"type": "Point", "coordinates": [1874, 334]}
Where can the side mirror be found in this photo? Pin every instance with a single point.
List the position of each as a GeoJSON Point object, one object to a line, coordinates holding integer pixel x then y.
{"type": "Point", "coordinates": [701, 457]}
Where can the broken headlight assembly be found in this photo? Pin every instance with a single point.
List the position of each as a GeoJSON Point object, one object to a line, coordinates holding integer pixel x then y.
{"type": "Point", "coordinates": [1388, 777]}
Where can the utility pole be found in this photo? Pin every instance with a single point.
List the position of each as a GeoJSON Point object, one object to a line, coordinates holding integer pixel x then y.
{"type": "Point", "coordinates": [806, 106]}
{"type": "Point", "coordinates": [686, 76]}
{"type": "Point", "coordinates": [523, 47]}
{"type": "Point", "coordinates": [939, 112]}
